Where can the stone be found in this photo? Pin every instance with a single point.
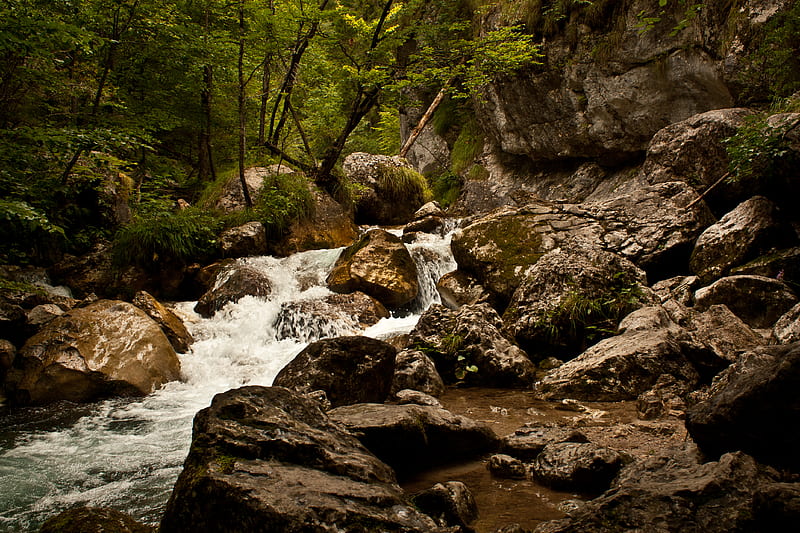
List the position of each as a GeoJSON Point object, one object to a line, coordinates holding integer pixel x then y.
{"type": "Point", "coordinates": [429, 224]}
{"type": "Point", "coordinates": [268, 459]}
{"type": "Point", "coordinates": [506, 466]}
{"type": "Point", "coordinates": [231, 198]}
{"type": "Point", "coordinates": [467, 345]}
{"type": "Point", "coordinates": [787, 328]}
{"type": "Point", "coordinates": [380, 199]}
{"type": "Point", "coordinates": [751, 229]}
{"type": "Point", "coordinates": [573, 297]}
{"type": "Point", "coordinates": [723, 332]}
{"type": "Point", "coordinates": [409, 396]}
{"type": "Point", "coordinates": [329, 226]}
{"type": "Point", "coordinates": [430, 209]}
{"type": "Point", "coordinates": [379, 265]}
{"type": "Point", "coordinates": [449, 504]}
{"type": "Point", "coordinates": [412, 438]}
{"type": "Point", "coordinates": [349, 369]}
{"type": "Point", "coordinates": [776, 505]}
{"type": "Point", "coordinates": [527, 442]}
{"type": "Point", "coordinates": [8, 352]}
{"type": "Point", "coordinates": [623, 367]}
{"type": "Point", "coordinates": [672, 492]}
{"type": "Point", "coordinates": [104, 349]}
{"type": "Point", "coordinates": [781, 264]}
{"type": "Point", "coordinates": [94, 520]}
{"type": "Point", "coordinates": [580, 466]}
{"type": "Point", "coordinates": [679, 288]}
{"type": "Point", "coordinates": [243, 241]}
{"type": "Point", "coordinates": [416, 371]}
{"type": "Point", "coordinates": [693, 150]}
{"type": "Point", "coordinates": [758, 301]}
{"type": "Point", "coordinates": [311, 320]}
{"type": "Point", "coordinates": [457, 288]}
{"type": "Point", "coordinates": [42, 314]}
{"type": "Point", "coordinates": [170, 324]}
{"type": "Point", "coordinates": [751, 408]}
{"type": "Point", "coordinates": [233, 282]}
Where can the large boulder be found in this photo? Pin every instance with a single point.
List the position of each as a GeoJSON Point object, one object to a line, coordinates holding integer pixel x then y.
{"type": "Point", "coordinates": [242, 241]}
{"type": "Point", "coordinates": [579, 466]}
{"type": "Point", "coordinates": [781, 264]}
{"type": "Point", "coordinates": [753, 407]}
{"type": "Point", "coordinates": [311, 320]}
{"type": "Point", "coordinates": [387, 192]}
{"type": "Point", "coordinates": [757, 300]}
{"type": "Point", "coordinates": [411, 438]}
{"type": "Point", "coordinates": [722, 332]}
{"type": "Point", "coordinates": [269, 460]}
{"type": "Point", "coordinates": [380, 265]}
{"type": "Point", "coordinates": [349, 370]}
{"type": "Point", "coordinates": [572, 298]}
{"type": "Point", "coordinates": [651, 227]}
{"type": "Point", "coordinates": [752, 228]}
{"type": "Point", "coordinates": [787, 328]}
{"type": "Point", "coordinates": [449, 504]}
{"type": "Point", "coordinates": [231, 197]}
{"type": "Point", "coordinates": [106, 348]}
{"type": "Point", "coordinates": [414, 370]}
{"type": "Point", "coordinates": [170, 324]}
{"type": "Point", "coordinates": [233, 281]}
{"type": "Point", "coordinates": [468, 345]}
{"type": "Point", "coordinates": [672, 492]}
{"type": "Point", "coordinates": [457, 288]}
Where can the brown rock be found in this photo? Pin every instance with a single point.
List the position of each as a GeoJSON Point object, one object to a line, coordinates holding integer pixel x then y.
{"type": "Point", "coordinates": [170, 324]}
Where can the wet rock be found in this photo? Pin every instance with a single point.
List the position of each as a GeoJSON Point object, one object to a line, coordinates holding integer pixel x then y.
{"type": "Point", "coordinates": [572, 297]}
{"type": "Point", "coordinates": [379, 265]}
{"type": "Point", "coordinates": [625, 366]}
{"type": "Point", "coordinates": [674, 493]}
{"type": "Point", "coordinates": [750, 407]}
{"type": "Point", "coordinates": [8, 352]}
{"type": "Point", "coordinates": [94, 520]}
{"type": "Point", "coordinates": [233, 282]}
{"type": "Point", "coordinates": [311, 320]}
{"type": "Point", "coordinates": [103, 349]}
{"type": "Point", "coordinates": [416, 371]}
{"type": "Point", "coordinates": [752, 228]}
{"type": "Point", "coordinates": [429, 224]}
{"type": "Point", "coordinates": [581, 466]}
{"type": "Point", "coordinates": [693, 150]}
{"type": "Point", "coordinates": [411, 438]}
{"type": "Point", "coordinates": [449, 504]}
{"type": "Point", "coordinates": [758, 301]}
{"type": "Point", "coordinates": [467, 345]}
{"type": "Point", "coordinates": [242, 241]}
{"type": "Point", "coordinates": [170, 324]}
{"type": "Point", "coordinates": [267, 458]}
{"type": "Point", "coordinates": [349, 370]}
{"type": "Point", "coordinates": [384, 198]}
{"type": "Point", "coordinates": [409, 396]}
{"type": "Point", "coordinates": [329, 226]}
{"type": "Point", "coordinates": [430, 209]}
{"type": "Point", "coordinates": [506, 466]}
{"type": "Point", "coordinates": [787, 328]}
{"type": "Point", "coordinates": [457, 288]}
{"type": "Point", "coordinates": [528, 441]}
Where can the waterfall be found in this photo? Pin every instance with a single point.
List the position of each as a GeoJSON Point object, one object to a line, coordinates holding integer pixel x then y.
{"type": "Point", "coordinates": [127, 453]}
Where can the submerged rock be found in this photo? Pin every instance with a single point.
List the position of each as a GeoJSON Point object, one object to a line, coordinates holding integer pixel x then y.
{"type": "Point", "coordinates": [411, 438]}
{"type": "Point", "coordinates": [349, 370]}
{"type": "Point", "coordinates": [269, 460]}
{"type": "Point", "coordinates": [581, 466]}
{"type": "Point", "coordinates": [94, 520]}
{"type": "Point", "coordinates": [103, 349]}
{"type": "Point", "coordinates": [379, 265]}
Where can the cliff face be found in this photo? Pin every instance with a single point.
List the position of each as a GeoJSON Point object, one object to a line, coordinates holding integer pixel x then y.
{"type": "Point", "coordinates": [605, 88]}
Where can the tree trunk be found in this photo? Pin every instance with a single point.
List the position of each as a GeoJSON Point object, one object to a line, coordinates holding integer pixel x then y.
{"type": "Point", "coordinates": [423, 121]}
{"type": "Point", "coordinates": [262, 110]}
{"type": "Point", "coordinates": [241, 101]}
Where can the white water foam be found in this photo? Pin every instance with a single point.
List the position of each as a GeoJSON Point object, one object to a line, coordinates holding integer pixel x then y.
{"type": "Point", "coordinates": [127, 453]}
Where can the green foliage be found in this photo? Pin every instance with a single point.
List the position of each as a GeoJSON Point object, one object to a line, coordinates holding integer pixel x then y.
{"type": "Point", "coordinates": [446, 187]}
{"type": "Point", "coordinates": [402, 183]}
{"type": "Point", "coordinates": [281, 200]}
{"type": "Point", "coordinates": [23, 228]}
{"type": "Point", "coordinates": [759, 149]}
{"type": "Point", "coordinates": [467, 148]}
{"type": "Point", "coordinates": [649, 19]}
{"type": "Point", "coordinates": [179, 235]}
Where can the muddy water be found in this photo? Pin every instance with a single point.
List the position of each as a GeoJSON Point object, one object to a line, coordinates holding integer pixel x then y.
{"type": "Point", "coordinates": [502, 501]}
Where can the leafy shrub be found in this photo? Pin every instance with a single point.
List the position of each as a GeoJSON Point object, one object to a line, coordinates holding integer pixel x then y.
{"type": "Point", "coordinates": [446, 188]}
{"type": "Point", "coordinates": [25, 229]}
{"type": "Point", "coordinates": [403, 183]}
{"type": "Point", "coordinates": [467, 148]}
{"type": "Point", "coordinates": [180, 235]}
{"type": "Point", "coordinates": [281, 200]}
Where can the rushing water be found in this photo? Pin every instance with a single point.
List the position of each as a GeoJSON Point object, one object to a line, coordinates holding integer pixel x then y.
{"type": "Point", "coordinates": [126, 454]}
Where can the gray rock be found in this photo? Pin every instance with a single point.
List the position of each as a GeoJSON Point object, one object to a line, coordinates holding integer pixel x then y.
{"type": "Point", "coordinates": [449, 504]}
{"type": "Point", "coordinates": [679, 288]}
{"type": "Point", "coordinates": [265, 458]}
{"type": "Point", "coordinates": [42, 314]}
{"type": "Point", "coordinates": [349, 369]}
{"type": "Point", "coordinates": [416, 371]}
{"type": "Point", "coordinates": [467, 345]}
{"type": "Point", "coordinates": [749, 408]}
{"type": "Point", "coordinates": [758, 301]}
{"type": "Point", "coordinates": [233, 282]}
{"type": "Point", "coordinates": [379, 265]}
{"type": "Point", "coordinates": [429, 224]}
{"type": "Point", "coordinates": [411, 438]}
{"type": "Point", "coordinates": [582, 466]}
{"type": "Point", "coordinates": [243, 241]}
{"type": "Point", "coordinates": [787, 328]}
{"type": "Point", "coordinates": [752, 228]}
{"type": "Point", "coordinates": [430, 209]}
{"type": "Point", "coordinates": [506, 466]}
{"type": "Point", "coordinates": [723, 332]}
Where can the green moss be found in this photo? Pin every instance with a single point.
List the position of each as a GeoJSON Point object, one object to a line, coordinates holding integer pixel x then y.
{"type": "Point", "coordinates": [446, 187]}
{"type": "Point", "coordinates": [403, 184]}
{"type": "Point", "coordinates": [467, 148]}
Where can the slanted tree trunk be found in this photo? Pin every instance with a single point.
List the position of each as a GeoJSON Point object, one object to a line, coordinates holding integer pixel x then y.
{"type": "Point", "coordinates": [424, 121]}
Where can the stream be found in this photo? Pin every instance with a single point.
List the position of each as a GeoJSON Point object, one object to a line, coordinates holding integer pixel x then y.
{"type": "Point", "coordinates": [127, 453]}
